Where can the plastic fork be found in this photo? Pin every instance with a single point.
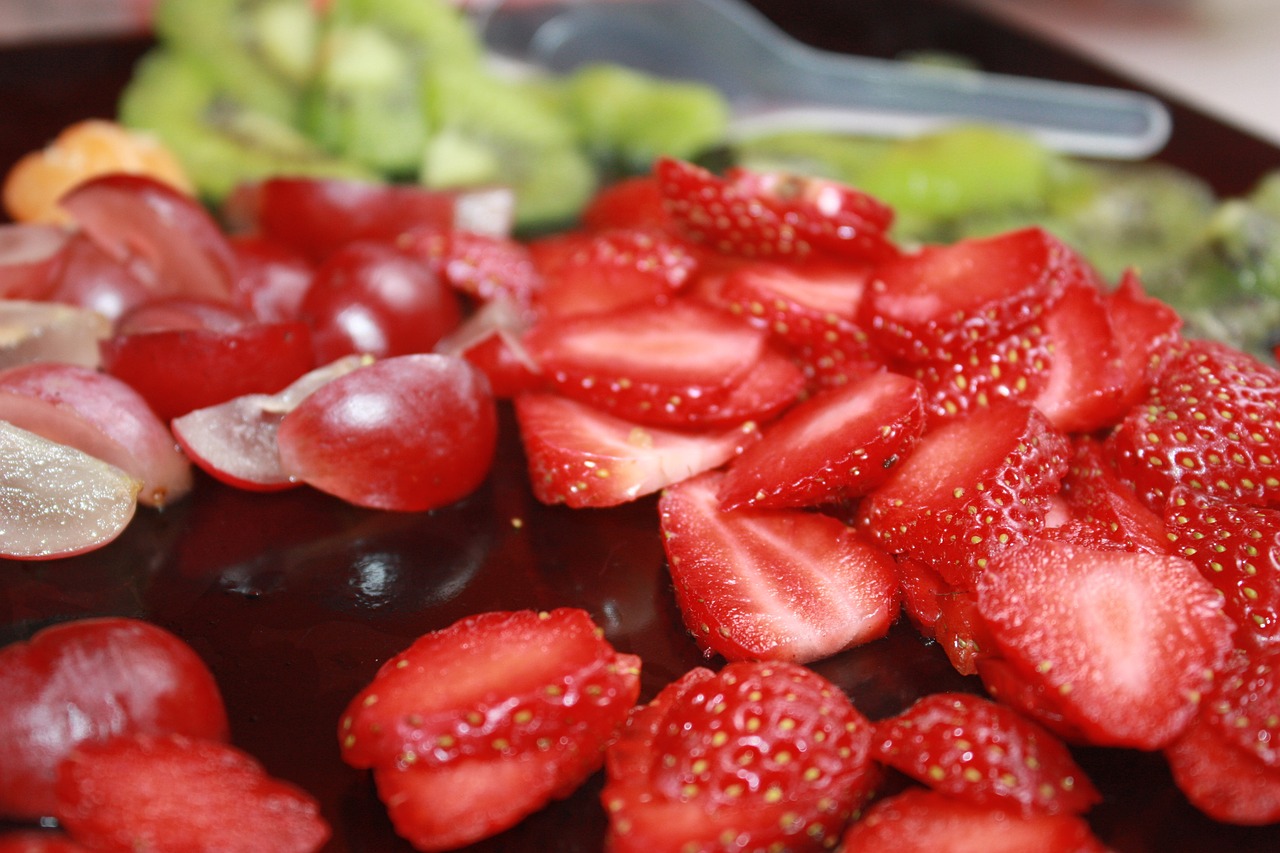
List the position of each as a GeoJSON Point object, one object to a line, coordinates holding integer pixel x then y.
{"type": "Point", "coordinates": [773, 81]}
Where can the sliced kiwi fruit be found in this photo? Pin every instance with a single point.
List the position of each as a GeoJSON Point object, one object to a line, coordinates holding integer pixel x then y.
{"type": "Point", "coordinates": [626, 119]}
{"type": "Point", "coordinates": [365, 100]}
{"type": "Point", "coordinates": [220, 141]}
{"type": "Point", "coordinates": [259, 52]}
{"type": "Point", "coordinates": [485, 130]}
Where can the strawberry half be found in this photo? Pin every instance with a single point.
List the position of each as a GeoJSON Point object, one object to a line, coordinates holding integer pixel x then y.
{"type": "Point", "coordinates": [773, 216]}
{"type": "Point", "coordinates": [1237, 548]}
{"type": "Point", "coordinates": [1103, 511]}
{"type": "Point", "coordinates": [171, 792]}
{"type": "Point", "coordinates": [920, 821]}
{"type": "Point", "coordinates": [596, 272]}
{"type": "Point", "coordinates": [969, 490]}
{"type": "Point", "coordinates": [984, 753]}
{"type": "Point", "coordinates": [840, 444]}
{"type": "Point", "coordinates": [755, 757]}
{"type": "Point", "coordinates": [772, 584]}
{"type": "Point", "coordinates": [935, 302]}
{"type": "Point", "coordinates": [1123, 641]}
{"type": "Point", "coordinates": [583, 457]}
{"type": "Point", "coordinates": [661, 365]}
{"type": "Point", "coordinates": [515, 708]}
{"type": "Point", "coordinates": [481, 266]}
{"type": "Point", "coordinates": [1211, 421]}
{"type": "Point", "coordinates": [1221, 779]}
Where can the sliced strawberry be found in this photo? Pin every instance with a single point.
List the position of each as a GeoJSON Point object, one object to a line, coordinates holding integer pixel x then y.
{"type": "Point", "coordinates": [1124, 640]}
{"type": "Point", "coordinates": [635, 202]}
{"type": "Point", "coordinates": [921, 586]}
{"type": "Point", "coordinates": [961, 631]}
{"type": "Point", "coordinates": [1211, 421]}
{"type": "Point", "coordinates": [1016, 366]}
{"type": "Point", "coordinates": [920, 821]}
{"type": "Point", "coordinates": [1237, 548]}
{"type": "Point", "coordinates": [1149, 329]}
{"type": "Point", "coordinates": [444, 808]}
{"type": "Point", "coordinates": [1085, 387]}
{"type": "Point", "coordinates": [492, 686]}
{"type": "Point", "coordinates": [772, 584]}
{"type": "Point", "coordinates": [769, 755]}
{"type": "Point", "coordinates": [943, 298]}
{"type": "Point", "coordinates": [772, 215]}
{"type": "Point", "coordinates": [840, 444]}
{"type": "Point", "coordinates": [596, 272]}
{"type": "Point", "coordinates": [1244, 703]}
{"type": "Point", "coordinates": [582, 457]}
{"type": "Point", "coordinates": [648, 364]}
{"type": "Point", "coordinates": [810, 309]}
{"type": "Point", "coordinates": [483, 266]}
{"type": "Point", "coordinates": [39, 841]}
{"type": "Point", "coordinates": [1102, 510]}
{"type": "Point", "coordinates": [1227, 783]}
{"type": "Point", "coordinates": [969, 490]}
{"type": "Point", "coordinates": [984, 753]}
{"type": "Point", "coordinates": [1035, 699]}
{"type": "Point", "coordinates": [171, 792]}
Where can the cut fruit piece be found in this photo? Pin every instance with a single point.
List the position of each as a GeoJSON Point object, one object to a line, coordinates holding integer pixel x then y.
{"type": "Point", "coordinates": [30, 259]}
{"type": "Point", "coordinates": [933, 303]}
{"type": "Point", "coordinates": [969, 490]}
{"type": "Point", "coordinates": [49, 331]}
{"type": "Point", "coordinates": [840, 444]}
{"type": "Point", "coordinates": [581, 457]}
{"type": "Point", "coordinates": [102, 416]}
{"type": "Point", "coordinates": [919, 821]}
{"type": "Point", "coordinates": [986, 754]}
{"type": "Point", "coordinates": [235, 441]}
{"type": "Point", "coordinates": [769, 755]}
{"type": "Point", "coordinates": [411, 433]}
{"type": "Point", "coordinates": [772, 584]}
{"type": "Point", "coordinates": [1124, 641]}
{"type": "Point", "coordinates": [56, 501]}
{"type": "Point", "coordinates": [221, 140]}
{"type": "Point", "coordinates": [165, 238]}
{"type": "Point", "coordinates": [647, 363]}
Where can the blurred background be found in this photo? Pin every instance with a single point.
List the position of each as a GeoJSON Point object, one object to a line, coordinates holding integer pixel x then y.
{"type": "Point", "coordinates": [1220, 56]}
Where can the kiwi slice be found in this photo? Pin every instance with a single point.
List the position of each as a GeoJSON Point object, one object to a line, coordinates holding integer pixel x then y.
{"type": "Point", "coordinates": [485, 130]}
{"type": "Point", "coordinates": [220, 141]}
{"type": "Point", "coordinates": [259, 52]}
{"type": "Point", "coordinates": [365, 99]}
{"type": "Point", "coordinates": [626, 119]}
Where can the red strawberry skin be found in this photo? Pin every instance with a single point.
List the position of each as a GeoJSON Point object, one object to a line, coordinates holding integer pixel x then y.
{"type": "Point", "coordinates": [985, 753]}
{"type": "Point", "coordinates": [920, 821]}
{"type": "Point", "coordinates": [1211, 421]}
{"type": "Point", "coordinates": [171, 792]}
{"type": "Point", "coordinates": [1222, 780]}
{"type": "Point", "coordinates": [1237, 549]}
{"type": "Point", "coordinates": [969, 490]}
{"type": "Point", "coordinates": [767, 755]}
{"type": "Point", "coordinates": [780, 584]}
{"type": "Point", "coordinates": [583, 457]}
{"type": "Point", "coordinates": [1122, 641]}
{"type": "Point", "coordinates": [497, 714]}
{"type": "Point", "coordinates": [840, 444]}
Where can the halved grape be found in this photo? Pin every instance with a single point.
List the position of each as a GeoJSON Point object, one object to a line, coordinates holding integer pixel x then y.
{"type": "Point", "coordinates": [56, 501]}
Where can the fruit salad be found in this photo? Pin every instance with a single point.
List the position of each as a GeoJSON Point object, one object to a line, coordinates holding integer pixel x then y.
{"type": "Point", "coordinates": [748, 512]}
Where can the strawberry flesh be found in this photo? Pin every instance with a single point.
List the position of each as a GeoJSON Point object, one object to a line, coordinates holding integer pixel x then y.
{"type": "Point", "coordinates": [772, 584]}
{"type": "Point", "coordinates": [840, 444]}
{"type": "Point", "coordinates": [583, 457]}
{"type": "Point", "coordinates": [1121, 640]}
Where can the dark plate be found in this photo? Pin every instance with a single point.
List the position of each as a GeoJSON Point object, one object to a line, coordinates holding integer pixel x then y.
{"type": "Point", "coordinates": [294, 599]}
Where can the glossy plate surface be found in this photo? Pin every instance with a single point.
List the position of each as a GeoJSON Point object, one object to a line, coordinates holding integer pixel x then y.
{"type": "Point", "coordinates": [294, 599]}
